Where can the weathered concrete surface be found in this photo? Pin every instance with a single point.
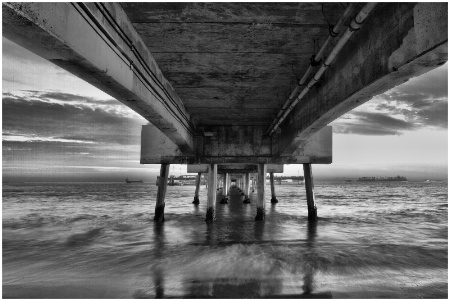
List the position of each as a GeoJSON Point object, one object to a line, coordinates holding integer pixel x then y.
{"type": "Point", "coordinates": [229, 145]}
{"type": "Point", "coordinates": [227, 58]}
{"type": "Point", "coordinates": [162, 188]}
{"type": "Point", "coordinates": [397, 41]}
{"type": "Point", "coordinates": [83, 39]}
{"type": "Point", "coordinates": [211, 202]}
{"type": "Point", "coordinates": [273, 200]}
{"type": "Point", "coordinates": [310, 198]}
{"type": "Point", "coordinates": [157, 147]}
{"type": "Point", "coordinates": [234, 168]}
{"type": "Point", "coordinates": [233, 66]}
{"type": "Point", "coordinates": [197, 188]}
{"type": "Point", "coordinates": [261, 193]}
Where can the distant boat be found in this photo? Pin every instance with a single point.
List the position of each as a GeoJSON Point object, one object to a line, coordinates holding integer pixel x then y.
{"type": "Point", "coordinates": [382, 179]}
{"type": "Point", "coordinates": [128, 181]}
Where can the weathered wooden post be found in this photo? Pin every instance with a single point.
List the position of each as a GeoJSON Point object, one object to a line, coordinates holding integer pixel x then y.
{"type": "Point", "coordinates": [261, 193]}
{"type": "Point", "coordinates": [272, 189]}
{"type": "Point", "coordinates": [197, 188]}
{"type": "Point", "coordinates": [225, 189]}
{"type": "Point", "coordinates": [309, 186]}
{"type": "Point", "coordinates": [162, 187]}
{"type": "Point", "coordinates": [211, 203]}
{"type": "Point", "coordinates": [247, 188]}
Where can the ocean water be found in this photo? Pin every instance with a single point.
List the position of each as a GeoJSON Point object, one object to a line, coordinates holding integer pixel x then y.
{"type": "Point", "coordinates": [98, 240]}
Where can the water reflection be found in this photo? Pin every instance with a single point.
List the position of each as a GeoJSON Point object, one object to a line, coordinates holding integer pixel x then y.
{"type": "Point", "coordinates": [238, 258]}
{"type": "Point", "coordinates": [310, 260]}
{"type": "Point", "coordinates": [158, 270]}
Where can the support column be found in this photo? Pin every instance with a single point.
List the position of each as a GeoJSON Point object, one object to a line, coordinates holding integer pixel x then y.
{"type": "Point", "coordinates": [272, 189]}
{"type": "Point", "coordinates": [211, 203]}
{"type": "Point", "coordinates": [197, 188]}
{"type": "Point", "coordinates": [261, 193]}
{"type": "Point", "coordinates": [225, 189]}
{"type": "Point", "coordinates": [247, 188]}
{"type": "Point", "coordinates": [162, 187]}
{"type": "Point", "coordinates": [309, 186]}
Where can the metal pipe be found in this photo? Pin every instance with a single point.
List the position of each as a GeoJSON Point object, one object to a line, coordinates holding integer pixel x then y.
{"type": "Point", "coordinates": [334, 32]}
{"type": "Point", "coordinates": [354, 26]}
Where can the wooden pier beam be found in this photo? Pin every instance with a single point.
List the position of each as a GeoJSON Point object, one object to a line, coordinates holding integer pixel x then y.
{"type": "Point", "coordinates": [197, 188]}
{"type": "Point", "coordinates": [309, 186]}
{"type": "Point", "coordinates": [162, 188]}
{"type": "Point", "coordinates": [261, 193]}
{"type": "Point", "coordinates": [247, 188]}
{"type": "Point", "coordinates": [211, 203]}
{"type": "Point", "coordinates": [226, 187]}
{"type": "Point", "coordinates": [272, 189]}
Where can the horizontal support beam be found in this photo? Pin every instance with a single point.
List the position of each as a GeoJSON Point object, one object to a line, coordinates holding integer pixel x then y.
{"type": "Point", "coordinates": [157, 148]}
{"type": "Point", "coordinates": [234, 168]}
{"type": "Point", "coordinates": [397, 41]}
{"type": "Point", "coordinates": [97, 42]}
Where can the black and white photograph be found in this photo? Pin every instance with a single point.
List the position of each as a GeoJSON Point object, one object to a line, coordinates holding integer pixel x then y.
{"type": "Point", "coordinates": [225, 150]}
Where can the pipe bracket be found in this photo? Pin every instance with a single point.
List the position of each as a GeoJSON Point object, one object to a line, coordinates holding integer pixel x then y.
{"type": "Point", "coordinates": [313, 61]}
{"type": "Point", "coordinates": [332, 33]}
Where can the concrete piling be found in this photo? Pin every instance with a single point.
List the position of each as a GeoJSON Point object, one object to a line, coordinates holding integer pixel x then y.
{"type": "Point", "coordinates": [211, 203]}
{"type": "Point", "coordinates": [309, 186]}
{"type": "Point", "coordinates": [162, 188]}
{"type": "Point", "coordinates": [272, 189]}
{"type": "Point", "coordinates": [260, 201]}
{"type": "Point", "coordinates": [225, 189]}
{"type": "Point", "coordinates": [197, 188]}
{"type": "Point", "coordinates": [247, 188]}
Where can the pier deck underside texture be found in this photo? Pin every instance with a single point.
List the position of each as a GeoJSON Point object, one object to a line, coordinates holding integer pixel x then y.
{"type": "Point", "coordinates": [236, 84]}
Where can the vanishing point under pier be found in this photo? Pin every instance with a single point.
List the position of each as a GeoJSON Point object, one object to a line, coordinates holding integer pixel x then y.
{"type": "Point", "coordinates": [236, 90]}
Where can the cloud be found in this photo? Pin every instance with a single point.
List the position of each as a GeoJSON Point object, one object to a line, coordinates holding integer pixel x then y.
{"type": "Point", "coordinates": [66, 117]}
{"type": "Point", "coordinates": [33, 138]}
{"type": "Point", "coordinates": [433, 83]}
{"type": "Point", "coordinates": [419, 104]}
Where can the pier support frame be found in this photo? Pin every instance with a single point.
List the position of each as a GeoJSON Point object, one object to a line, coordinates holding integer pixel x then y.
{"type": "Point", "coordinates": [272, 189]}
{"type": "Point", "coordinates": [162, 188]}
{"type": "Point", "coordinates": [211, 203]}
{"type": "Point", "coordinates": [197, 188]}
{"type": "Point", "coordinates": [247, 188]}
{"type": "Point", "coordinates": [261, 193]}
{"type": "Point", "coordinates": [309, 186]}
{"type": "Point", "coordinates": [226, 187]}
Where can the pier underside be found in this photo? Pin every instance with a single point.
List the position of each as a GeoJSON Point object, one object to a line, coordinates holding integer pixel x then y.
{"type": "Point", "coordinates": [235, 87]}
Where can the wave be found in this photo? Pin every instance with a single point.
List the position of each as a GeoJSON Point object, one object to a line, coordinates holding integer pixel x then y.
{"type": "Point", "coordinates": [81, 217]}
{"type": "Point", "coordinates": [82, 239]}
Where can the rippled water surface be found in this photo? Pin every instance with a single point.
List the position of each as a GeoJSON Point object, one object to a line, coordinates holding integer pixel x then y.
{"type": "Point", "coordinates": [97, 240]}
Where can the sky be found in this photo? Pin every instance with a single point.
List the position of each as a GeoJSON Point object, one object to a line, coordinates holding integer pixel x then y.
{"type": "Point", "coordinates": [56, 127]}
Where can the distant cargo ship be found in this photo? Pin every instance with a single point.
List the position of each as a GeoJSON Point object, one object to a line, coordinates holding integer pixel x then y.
{"type": "Point", "coordinates": [388, 179]}
{"type": "Point", "coordinates": [128, 181]}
